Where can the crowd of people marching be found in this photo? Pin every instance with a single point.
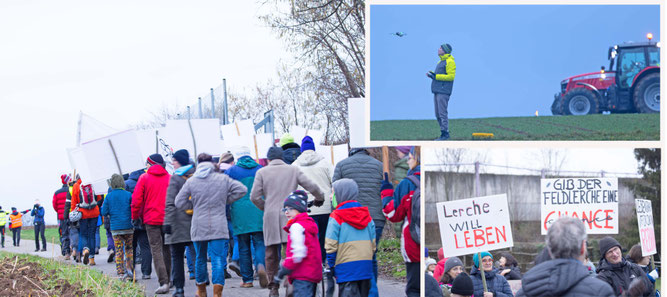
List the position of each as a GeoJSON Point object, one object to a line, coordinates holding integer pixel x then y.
{"type": "Point", "coordinates": [562, 269]}
{"type": "Point", "coordinates": [297, 217]}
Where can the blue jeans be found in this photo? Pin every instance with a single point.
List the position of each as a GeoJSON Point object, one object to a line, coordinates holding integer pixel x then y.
{"type": "Point", "coordinates": [87, 229]}
{"type": "Point", "coordinates": [247, 242]}
{"type": "Point", "coordinates": [235, 249]}
{"type": "Point", "coordinates": [374, 288]}
{"type": "Point", "coordinates": [303, 288]}
{"type": "Point", "coordinates": [97, 238]}
{"type": "Point", "coordinates": [191, 256]}
{"type": "Point", "coordinates": [218, 250]}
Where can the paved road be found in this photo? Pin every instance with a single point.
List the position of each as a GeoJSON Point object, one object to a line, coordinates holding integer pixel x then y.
{"type": "Point", "coordinates": [388, 288]}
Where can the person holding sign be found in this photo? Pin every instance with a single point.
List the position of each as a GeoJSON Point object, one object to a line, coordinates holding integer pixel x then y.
{"type": "Point", "coordinates": [497, 285]}
{"type": "Point", "coordinates": [564, 275]}
{"type": "Point", "coordinates": [635, 256]}
{"type": "Point", "coordinates": [615, 270]}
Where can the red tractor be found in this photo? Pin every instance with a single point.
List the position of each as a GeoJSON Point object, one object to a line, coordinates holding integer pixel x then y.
{"type": "Point", "coordinates": [632, 84]}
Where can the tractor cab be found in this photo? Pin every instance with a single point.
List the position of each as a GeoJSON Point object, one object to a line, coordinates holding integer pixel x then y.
{"type": "Point", "coordinates": [631, 84]}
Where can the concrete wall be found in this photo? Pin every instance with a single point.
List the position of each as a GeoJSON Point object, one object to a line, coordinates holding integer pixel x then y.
{"type": "Point", "coordinates": [523, 194]}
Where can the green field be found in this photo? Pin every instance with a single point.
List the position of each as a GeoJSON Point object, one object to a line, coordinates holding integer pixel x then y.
{"type": "Point", "coordinates": [589, 127]}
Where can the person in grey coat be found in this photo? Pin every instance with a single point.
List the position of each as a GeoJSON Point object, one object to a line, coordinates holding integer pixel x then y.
{"type": "Point", "coordinates": [272, 184]}
{"type": "Point", "coordinates": [565, 275]}
{"type": "Point", "coordinates": [366, 171]}
{"type": "Point", "coordinates": [177, 222]}
{"type": "Point", "coordinates": [210, 193]}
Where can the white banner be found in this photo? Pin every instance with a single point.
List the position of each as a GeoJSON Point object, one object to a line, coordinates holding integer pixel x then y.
{"type": "Point", "coordinates": [357, 118]}
{"type": "Point", "coordinates": [645, 222]}
{"type": "Point", "coordinates": [593, 200]}
{"type": "Point", "coordinates": [474, 225]}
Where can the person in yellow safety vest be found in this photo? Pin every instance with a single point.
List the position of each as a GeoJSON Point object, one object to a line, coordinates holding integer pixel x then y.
{"type": "Point", "coordinates": [3, 222]}
{"type": "Point", "coordinates": [15, 223]}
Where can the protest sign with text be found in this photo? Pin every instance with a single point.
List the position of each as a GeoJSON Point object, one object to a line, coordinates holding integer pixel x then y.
{"type": "Point", "coordinates": [645, 222]}
{"type": "Point", "coordinates": [593, 200]}
{"type": "Point", "coordinates": [474, 225]}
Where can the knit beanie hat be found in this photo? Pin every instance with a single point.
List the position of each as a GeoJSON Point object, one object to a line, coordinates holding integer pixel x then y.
{"type": "Point", "coordinates": [274, 153]}
{"type": "Point", "coordinates": [65, 178]}
{"type": "Point", "coordinates": [182, 157]}
{"type": "Point", "coordinates": [307, 144]}
{"type": "Point", "coordinates": [155, 159]}
{"type": "Point", "coordinates": [430, 261]}
{"type": "Point", "coordinates": [462, 285]}
{"type": "Point", "coordinates": [227, 158]}
{"type": "Point", "coordinates": [297, 200]}
{"type": "Point", "coordinates": [446, 48]}
{"type": "Point", "coordinates": [476, 260]}
{"type": "Point", "coordinates": [241, 151]}
{"type": "Point", "coordinates": [452, 262]}
{"type": "Point", "coordinates": [403, 149]}
{"type": "Point", "coordinates": [285, 139]}
{"type": "Point", "coordinates": [606, 244]}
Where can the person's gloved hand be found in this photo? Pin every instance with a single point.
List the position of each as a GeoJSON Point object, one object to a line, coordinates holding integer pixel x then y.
{"type": "Point", "coordinates": [386, 185]}
{"type": "Point", "coordinates": [281, 274]}
{"type": "Point", "coordinates": [166, 229]}
{"type": "Point", "coordinates": [318, 203]}
{"type": "Point", "coordinates": [431, 74]}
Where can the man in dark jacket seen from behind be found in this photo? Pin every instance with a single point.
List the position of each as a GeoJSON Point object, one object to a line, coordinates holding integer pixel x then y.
{"type": "Point", "coordinates": [142, 250]}
{"type": "Point", "coordinates": [615, 270]}
{"type": "Point", "coordinates": [564, 275]}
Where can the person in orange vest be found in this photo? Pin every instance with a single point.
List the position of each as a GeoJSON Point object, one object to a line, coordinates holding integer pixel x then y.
{"type": "Point", "coordinates": [15, 223]}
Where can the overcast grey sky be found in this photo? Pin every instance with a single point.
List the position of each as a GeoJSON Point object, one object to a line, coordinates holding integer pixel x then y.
{"type": "Point", "coordinates": [116, 61]}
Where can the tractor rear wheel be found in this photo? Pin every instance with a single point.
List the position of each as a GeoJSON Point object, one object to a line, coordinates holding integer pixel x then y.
{"type": "Point", "coordinates": [580, 101]}
{"type": "Point", "coordinates": [647, 94]}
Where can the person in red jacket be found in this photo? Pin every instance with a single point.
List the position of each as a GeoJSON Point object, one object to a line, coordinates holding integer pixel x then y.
{"type": "Point", "coordinates": [59, 199]}
{"type": "Point", "coordinates": [303, 260]}
{"type": "Point", "coordinates": [87, 202]}
{"type": "Point", "coordinates": [397, 205]}
{"type": "Point", "coordinates": [148, 203]}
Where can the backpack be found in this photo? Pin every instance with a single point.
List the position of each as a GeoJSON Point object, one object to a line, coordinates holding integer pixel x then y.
{"type": "Point", "coordinates": [416, 216]}
{"type": "Point", "coordinates": [87, 197]}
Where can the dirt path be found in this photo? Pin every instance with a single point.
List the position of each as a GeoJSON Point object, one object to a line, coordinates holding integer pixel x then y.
{"type": "Point", "coordinates": [388, 288]}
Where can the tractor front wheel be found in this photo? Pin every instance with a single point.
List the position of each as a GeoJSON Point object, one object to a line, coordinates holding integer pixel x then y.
{"type": "Point", "coordinates": [580, 101]}
{"type": "Point", "coordinates": [647, 94]}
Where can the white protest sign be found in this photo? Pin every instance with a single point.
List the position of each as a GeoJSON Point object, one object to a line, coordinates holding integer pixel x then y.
{"type": "Point", "coordinates": [645, 222]}
{"type": "Point", "coordinates": [356, 111]}
{"type": "Point", "coordinates": [262, 142]}
{"type": "Point", "coordinates": [233, 133]}
{"type": "Point", "coordinates": [206, 134]}
{"type": "Point", "coordinates": [78, 161]}
{"type": "Point", "coordinates": [333, 153]}
{"type": "Point", "coordinates": [593, 200]}
{"type": "Point", "coordinates": [299, 133]}
{"type": "Point", "coordinates": [468, 226]}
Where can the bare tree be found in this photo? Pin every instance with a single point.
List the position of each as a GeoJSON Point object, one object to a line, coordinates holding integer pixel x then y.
{"type": "Point", "coordinates": [551, 160]}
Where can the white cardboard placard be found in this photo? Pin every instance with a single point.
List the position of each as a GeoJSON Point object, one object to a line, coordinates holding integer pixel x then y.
{"type": "Point", "coordinates": [99, 152]}
{"type": "Point", "coordinates": [357, 119]}
{"type": "Point", "coordinates": [468, 226]}
{"type": "Point", "coordinates": [206, 131]}
{"type": "Point", "coordinates": [645, 223]}
{"type": "Point", "coordinates": [233, 133]}
{"type": "Point", "coordinates": [299, 133]}
{"type": "Point", "coordinates": [333, 153]}
{"type": "Point", "coordinates": [593, 200]}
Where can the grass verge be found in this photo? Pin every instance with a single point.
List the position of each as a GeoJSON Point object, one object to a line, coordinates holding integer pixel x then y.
{"type": "Point", "coordinates": [54, 272]}
{"type": "Point", "coordinates": [390, 260]}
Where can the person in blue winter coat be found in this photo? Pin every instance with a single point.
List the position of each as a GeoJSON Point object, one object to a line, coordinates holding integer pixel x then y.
{"type": "Point", "coordinates": [117, 208]}
{"type": "Point", "coordinates": [38, 213]}
{"type": "Point", "coordinates": [496, 284]}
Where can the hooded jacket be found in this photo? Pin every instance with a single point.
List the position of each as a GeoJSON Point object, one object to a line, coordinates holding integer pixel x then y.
{"type": "Point", "coordinates": [272, 184]}
{"type": "Point", "coordinates": [398, 207]}
{"type": "Point", "coordinates": [495, 283]}
{"type": "Point", "coordinates": [302, 254]}
{"type": "Point", "coordinates": [350, 236]}
{"type": "Point", "coordinates": [117, 207]}
{"type": "Point", "coordinates": [366, 171]}
{"type": "Point", "coordinates": [148, 199]}
{"type": "Point", "coordinates": [445, 72]}
{"type": "Point", "coordinates": [440, 267]}
{"type": "Point", "coordinates": [246, 217]}
{"type": "Point", "coordinates": [619, 275]}
{"type": "Point", "coordinates": [131, 182]}
{"type": "Point", "coordinates": [179, 221]}
{"type": "Point", "coordinates": [320, 172]}
{"type": "Point", "coordinates": [210, 192]}
{"type": "Point", "coordinates": [59, 199]}
{"type": "Point", "coordinates": [291, 152]}
{"type": "Point", "coordinates": [562, 277]}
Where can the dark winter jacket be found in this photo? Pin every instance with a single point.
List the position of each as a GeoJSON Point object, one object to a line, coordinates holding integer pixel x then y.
{"type": "Point", "coordinates": [245, 216]}
{"type": "Point", "coordinates": [366, 171]}
{"type": "Point", "coordinates": [38, 213]}
{"type": "Point", "coordinates": [562, 277]}
{"type": "Point", "coordinates": [291, 152]}
{"type": "Point", "coordinates": [148, 198]}
{"type": "Point", "coordinates": [131, 182]}
{"type": "Point", "coordinates": [619, 276]}
{"type": "Point", "coordinates": [445, 72]}
{"type": "Point", "coordinates": [495, 283]}
{"type": "Point", "coordinates": [431, 286]}
{"type": "Point", "coordinates": [514, 274]}
{"type": "Point", "coordinates": [117, 208]}
{"type": "Point", "coordinates": [59, 199]}
{"type": "Point", "coordinates": [179, 220]}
